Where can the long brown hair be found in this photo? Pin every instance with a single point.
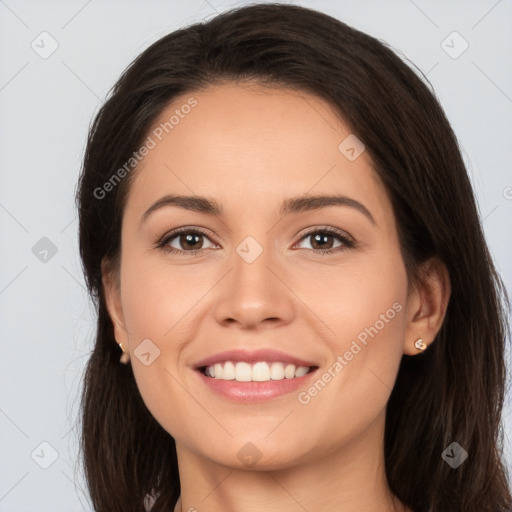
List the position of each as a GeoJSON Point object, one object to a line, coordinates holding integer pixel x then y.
{"type": "Point", "coordinates": [453, 392]}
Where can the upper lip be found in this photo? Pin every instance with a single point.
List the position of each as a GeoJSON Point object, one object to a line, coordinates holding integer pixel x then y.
{"type": "Point", "coordinates": [254, 356]}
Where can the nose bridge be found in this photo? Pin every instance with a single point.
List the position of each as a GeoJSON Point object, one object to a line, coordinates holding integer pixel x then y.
{"type": "Point", "coordinates": [252, 291]}
{"type": "Point", "coordinates": [251, 264]}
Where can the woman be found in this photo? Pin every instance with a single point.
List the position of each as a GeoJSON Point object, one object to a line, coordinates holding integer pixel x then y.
{"type": "Point", "coordinates": [281, 238]}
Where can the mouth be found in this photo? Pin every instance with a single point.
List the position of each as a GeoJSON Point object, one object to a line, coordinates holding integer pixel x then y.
{"type": "Point", "coordinates": [260, 371]}
{"type": "Point", "coordinates": [245, 383]}
{"type": "Point", "coordinates": [249, 376]}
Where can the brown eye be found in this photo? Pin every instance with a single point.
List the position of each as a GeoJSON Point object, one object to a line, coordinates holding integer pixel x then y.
{"type": "Point", "coordinates": [324, 240]}
{"type": "Point", "coordinates": [190, 240]}
{"type": "Point", "coordinates": [185, 241]}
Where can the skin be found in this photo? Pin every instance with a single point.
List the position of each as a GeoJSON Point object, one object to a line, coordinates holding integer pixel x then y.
{"type": "Point", "coordinates": [249, 148]}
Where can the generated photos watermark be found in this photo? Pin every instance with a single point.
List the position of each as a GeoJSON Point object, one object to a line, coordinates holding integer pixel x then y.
{"type": "Point", "coordinates": [151, 141]}
{"type": "Point", "coordinates": [305, 397]}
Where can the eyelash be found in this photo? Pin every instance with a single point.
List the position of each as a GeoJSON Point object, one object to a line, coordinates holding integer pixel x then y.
{"type": "Point", "coordinates": [162, 243]}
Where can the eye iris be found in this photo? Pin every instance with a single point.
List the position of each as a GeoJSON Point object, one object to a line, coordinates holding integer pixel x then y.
{"type": "Point", "coordinates": [188, 238]}
{"type": "Point", "coordinates": [321, 237]}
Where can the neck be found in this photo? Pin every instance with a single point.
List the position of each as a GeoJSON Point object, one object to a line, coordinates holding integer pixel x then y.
{"type": "Point", "coordinates": [352, 478]}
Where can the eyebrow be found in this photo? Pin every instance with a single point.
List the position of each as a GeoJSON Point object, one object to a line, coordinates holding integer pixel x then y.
{"type": "Point", "coordinates": [289, 206]}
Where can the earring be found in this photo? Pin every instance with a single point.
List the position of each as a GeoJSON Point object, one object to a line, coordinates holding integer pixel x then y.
{"type": "Point", "coordinates": [419, 344]}
{"type": "Point", "coordinates": [125, 357]}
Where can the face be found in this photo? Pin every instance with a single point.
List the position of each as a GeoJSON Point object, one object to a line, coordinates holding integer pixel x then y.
{"type": "Point", "coordinates": [274, 269]}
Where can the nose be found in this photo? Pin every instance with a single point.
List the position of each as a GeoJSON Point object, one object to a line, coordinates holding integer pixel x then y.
{"type": "Point", "coordinates": [255, 294]}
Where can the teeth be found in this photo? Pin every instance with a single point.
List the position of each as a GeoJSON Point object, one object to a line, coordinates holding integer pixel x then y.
{"type": "Point", "coordinates": [289, 371]}
{"type": "Point", "coordinates": [277, 371]}
{"type": "Point", "coordinates": [258, 372]}
{"type": "Point", "coordinates": [242, 372]}
{"type": "Point", "coordinates": [229, 371]}
{"type": "Point", "coordinates": [217, 369]}
{"type": "Point", "coordinates": [301, 371]}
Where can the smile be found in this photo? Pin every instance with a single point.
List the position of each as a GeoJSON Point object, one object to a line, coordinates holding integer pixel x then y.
{"type": "Point", "coordinates": [261, 371]}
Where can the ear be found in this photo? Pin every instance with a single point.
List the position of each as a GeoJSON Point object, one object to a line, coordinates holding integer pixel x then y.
{"type": "Point", "coordinates": [426, 305]}
{"type": "Point", "coordinates": [112, 289]}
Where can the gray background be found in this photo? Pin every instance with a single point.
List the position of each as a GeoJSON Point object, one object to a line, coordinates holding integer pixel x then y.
{"type": "Point", "coordinates": [46, 104]}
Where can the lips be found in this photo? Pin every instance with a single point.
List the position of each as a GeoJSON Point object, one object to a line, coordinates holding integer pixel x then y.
{"type": "Point", "coordinates": [239, 387]}
{"type": "Point", "coordinates": [267, 355]}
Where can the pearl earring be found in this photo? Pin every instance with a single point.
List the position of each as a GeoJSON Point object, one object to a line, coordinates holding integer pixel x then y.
{"type": "Point", "coordinates": [419, 344]}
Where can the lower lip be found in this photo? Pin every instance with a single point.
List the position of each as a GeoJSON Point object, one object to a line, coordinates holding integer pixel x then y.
{"type": "Point", "coordinates": [254, 391]}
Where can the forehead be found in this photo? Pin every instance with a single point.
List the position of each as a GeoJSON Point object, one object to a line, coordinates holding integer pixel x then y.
{"type": "Point", "coordinates": [248, 145]}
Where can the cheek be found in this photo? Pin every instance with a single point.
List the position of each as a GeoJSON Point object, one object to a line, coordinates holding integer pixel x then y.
{"type": "Point", "coordinates": [365, 310]}
{"type": "Point", "coordinates": [155, 310]}
{"type": "Point", "coordinates": [361, 298]}
{"type": "Point", "coordinates": [155, 298]}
